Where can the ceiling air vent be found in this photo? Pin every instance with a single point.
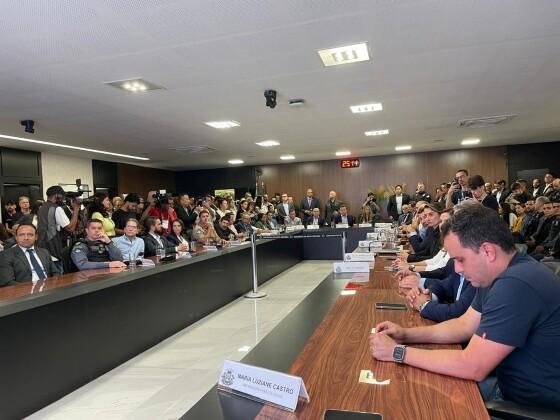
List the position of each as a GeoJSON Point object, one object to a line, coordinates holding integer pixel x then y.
{"type": "Point", "coordinates": [191, 150]}
{"type": "Point", "coordinates": [485, 121]}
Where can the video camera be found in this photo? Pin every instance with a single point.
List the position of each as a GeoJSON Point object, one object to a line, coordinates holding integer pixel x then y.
{"type": "Point", "coordinates": [75, 195]}
{"type": "Point", "coordinates": [161, 197]}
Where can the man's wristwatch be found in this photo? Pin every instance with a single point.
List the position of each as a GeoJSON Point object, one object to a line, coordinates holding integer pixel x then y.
{"type": "Point", "coordinates": [421, 308]}
{"type": "Point", "coordinates": [411, 267]}
{"type": "Point", "coordinates": [398, 353]}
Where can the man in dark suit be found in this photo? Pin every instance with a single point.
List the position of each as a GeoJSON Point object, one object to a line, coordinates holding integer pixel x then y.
{"type": "Point", "coordinates": [406, 217]}
{"type": "Point", "coordinates": [547, 188]}
{"type": "Point", "coordinates": [344, 217]}
{"type": "Point", "coordinates": [315, 218]}
{"type": "Point", "coordinates": [25, 262]}
{"type": "Point", "coordinates": [444, 299]}
{"type": "Point", "coordinates": [185, 212]}
{"type": "Point", "coordinates": [283, 209]}
{"type": "Point", "coordinates": [308, 203]}
{"type": "Point", "coordinates": [396, 201]}
{"type": "Point", "coordinates": [501, 192]}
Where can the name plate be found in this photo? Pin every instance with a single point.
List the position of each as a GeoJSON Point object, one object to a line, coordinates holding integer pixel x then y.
{"type": "Point", "coordinates": [341, 225]}
{"type": "Point", "coordinates": [312, 227]}
{"type": "Point", "coordinates": [372, 235]}
{"type": "Point", "coordinates": [210, 248]}
{"type": "Point", "coordinates": [270, 233]}
{"type": "Point", "coordinates": [384, 225]}
{"type": "Point", "coordinates": [235, 243]}
{"type": "Point", "coordinates": [263, 385]}
{"type": "Point", "coordinates": [365, 225]}
{"type": "Point", "coordinates": [370, 244]}
{"type": "Point", "coordinates": [351, 267]}
{"type": "Point", "coordinates": [359, 256]}
{"type": "Point", "coordinates": [292, 228]}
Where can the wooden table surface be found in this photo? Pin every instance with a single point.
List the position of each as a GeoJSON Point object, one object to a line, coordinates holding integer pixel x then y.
{"type": "Point", "coordinates": [32, 288]}
{"type": "Point", "coordinates": [331, 362]}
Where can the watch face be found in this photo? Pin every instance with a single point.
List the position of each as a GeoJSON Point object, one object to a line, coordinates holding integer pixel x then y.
{"type": "Point", "coordinates": [398, 353]}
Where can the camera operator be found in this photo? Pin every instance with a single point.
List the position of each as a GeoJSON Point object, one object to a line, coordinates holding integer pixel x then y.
{"type": "Point", "coordinates": [80, 231]}
{"type": "Point", "coordinates": [53, 224]}
{"type": "Point", "coordinates": [160, 206]}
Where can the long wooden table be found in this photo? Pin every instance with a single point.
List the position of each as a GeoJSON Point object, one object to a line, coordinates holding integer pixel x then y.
{"type": "Point", "coordinates": [333, 356]}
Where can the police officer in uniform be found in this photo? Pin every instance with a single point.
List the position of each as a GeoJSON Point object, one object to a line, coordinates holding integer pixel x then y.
{"type": "Point", "coordinates": [421, 194]}
{"type": "Point", "coordinates": [96, 250]}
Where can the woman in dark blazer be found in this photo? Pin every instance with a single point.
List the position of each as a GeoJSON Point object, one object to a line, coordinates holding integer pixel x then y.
{"type": "Point", "coordinates": [178, 236]}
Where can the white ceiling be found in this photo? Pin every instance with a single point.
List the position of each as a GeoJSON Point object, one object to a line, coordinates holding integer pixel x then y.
{"type": "Point", "coordinates": [433, 63]}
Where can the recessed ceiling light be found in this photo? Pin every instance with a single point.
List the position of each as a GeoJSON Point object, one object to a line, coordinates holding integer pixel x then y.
{"type": "Point", "coordinates": [343, 153]}
{"type": "Point", "coordinates": [67, 146]}
{"type": "Point", "coordinates": [469, 142]}
{"type": "Point", "coordinates": [222, 124]}
{"type": "Point", "coordinates": [268, 143]}
{"type": "Point", "coordinates": [376, 133]}
{"type": "Point", "coordinates": [287, 157]}
{"type": "Point", "coordinates": [344, 55]}
{"type": "Point", "coordinates": [134, 85]}
{"type": "Point", "coordinates": [244, 348]}
{"type": "Point", "coordinates": [400, 148]}
{"type": "Point", "coordinates": [235, 162]}
{"type": "Point", "coordinates": [358, 109]}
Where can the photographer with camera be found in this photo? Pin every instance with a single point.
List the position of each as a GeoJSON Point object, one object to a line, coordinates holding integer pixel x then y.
{"type": "Point", "coordinates": [459, 190]}
{"type": "Point", "coordinates": [161, 207]}
{"type": "Point", "coordinates": [53, 224]}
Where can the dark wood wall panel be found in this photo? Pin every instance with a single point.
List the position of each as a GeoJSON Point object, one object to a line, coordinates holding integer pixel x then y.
{"type": "Point", "coordinates": [533, 156]}
{"type": "Point", "coordinates": [353, 184]}
{"type": "Point", "coordinates": [141, 180]}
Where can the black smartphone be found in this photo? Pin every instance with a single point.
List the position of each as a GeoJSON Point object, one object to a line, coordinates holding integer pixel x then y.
{"type": "Point", "coordinates": [350, 415]}
{"type": "Point", "coordinates": [391, 306]}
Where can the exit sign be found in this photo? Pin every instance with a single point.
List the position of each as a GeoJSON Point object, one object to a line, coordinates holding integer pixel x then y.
{"type": "Point", "coordinates": [349, 163]}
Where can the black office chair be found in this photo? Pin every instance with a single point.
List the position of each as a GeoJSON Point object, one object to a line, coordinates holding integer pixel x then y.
{"type": "Point", "coordinates": [508, 410]}
{"type": "Point", "coordinates": [68, 265]}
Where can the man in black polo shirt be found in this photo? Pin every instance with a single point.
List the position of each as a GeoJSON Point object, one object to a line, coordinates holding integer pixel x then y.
{"type": "Point", "coordinates": [513, 323]}
{"type": "Point", "coordinates": [125, 212]}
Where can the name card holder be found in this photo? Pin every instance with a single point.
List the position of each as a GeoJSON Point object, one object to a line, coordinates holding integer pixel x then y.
{"type": "Point", "coordinates": [351, 267]}
{"type": "Point", "coordinates": [372, 235]}
{"type": "Point", "coordinates": [210, 248]}
{"type": "Point", "coordinates": [384, 225]}
{"type": "Point", "coordinates": [295, 227]}
{"type": "Point", "coordinates": [262, 385]}
{"type": "Point", "coordinates": [313, 227]}
{"type": "Point", "coordinates": [370, 244]}
{"type": "Point", "coordinates": [341, 225]}
{"type": "Point", "coordinates": [365, 225]}
{"type": "Point", "coordinates": [359, 256]}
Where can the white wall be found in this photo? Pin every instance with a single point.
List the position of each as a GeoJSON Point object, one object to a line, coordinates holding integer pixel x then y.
{"type": "Point", "coordinates": [65, 169]}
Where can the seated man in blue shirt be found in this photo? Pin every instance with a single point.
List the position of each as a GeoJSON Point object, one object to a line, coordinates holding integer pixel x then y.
{"type": "Point", "coordinates": [129, 244]}
{"type": "Point", "coordinates": [513, 323]}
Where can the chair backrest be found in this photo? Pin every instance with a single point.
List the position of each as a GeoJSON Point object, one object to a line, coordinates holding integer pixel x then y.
{"type": "Point", "coordinates": [67, 264]}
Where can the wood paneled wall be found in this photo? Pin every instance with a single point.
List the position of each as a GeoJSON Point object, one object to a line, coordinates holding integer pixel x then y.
{"type": "Point", "coordinates": [141, 180]}
{"type": "Point", "coordinates": [352, 185]}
